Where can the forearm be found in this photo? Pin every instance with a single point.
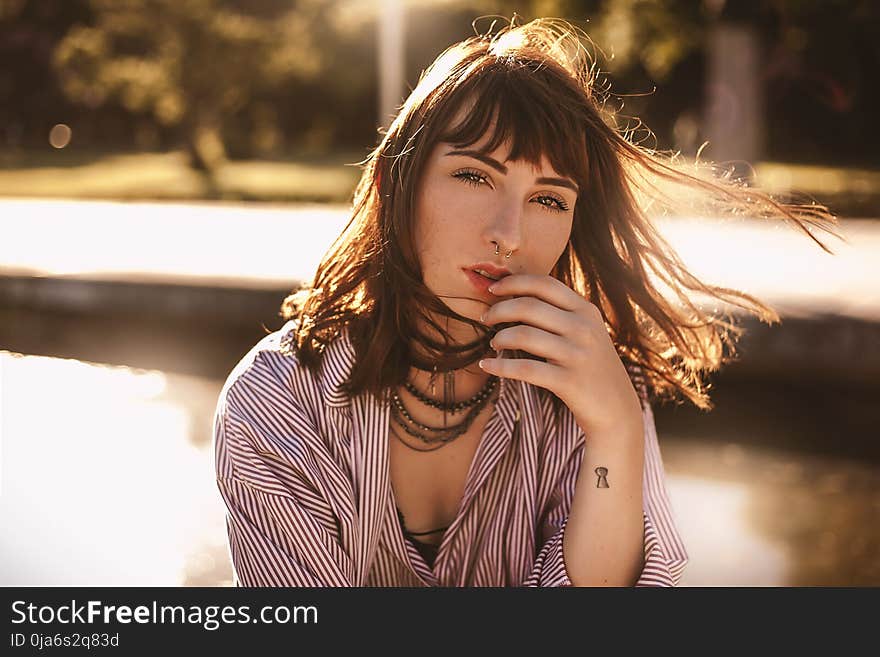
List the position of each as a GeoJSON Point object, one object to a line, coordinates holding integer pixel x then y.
{"type": "Point", "coordinates": [604, 538]}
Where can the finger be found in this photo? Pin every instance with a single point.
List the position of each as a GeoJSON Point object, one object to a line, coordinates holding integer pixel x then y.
{"type": "Point", "coordinates": [531, 371]}
{"type": "Point", "coordinates": [533, 311]}
{"type": "Point", "coordinates": [547, 288]}
{"type": "Point", "coordinates": [536, 341]}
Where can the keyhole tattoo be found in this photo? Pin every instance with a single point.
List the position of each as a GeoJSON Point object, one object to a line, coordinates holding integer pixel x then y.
{"type": "Point", "coordinates": [602, 482]}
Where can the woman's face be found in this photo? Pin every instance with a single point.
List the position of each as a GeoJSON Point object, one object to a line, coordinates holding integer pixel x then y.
{"type": "Point", "coordinates": [469, 201]}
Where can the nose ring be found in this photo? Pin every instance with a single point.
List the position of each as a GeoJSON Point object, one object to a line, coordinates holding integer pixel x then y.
{"type": "Point", "coordinates": [496, 251]}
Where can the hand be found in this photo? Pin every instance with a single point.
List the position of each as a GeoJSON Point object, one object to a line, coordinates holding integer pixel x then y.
{"type": "Point", "coordinates": [582, 366]}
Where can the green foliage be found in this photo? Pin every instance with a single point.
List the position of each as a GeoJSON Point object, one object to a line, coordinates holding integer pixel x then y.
{"type": "Point", "coordinates": [268, 78]}
{"type": "Point", "coordinates": [188, 63]}
{"type": "Point", "coordinates": [652, 34]}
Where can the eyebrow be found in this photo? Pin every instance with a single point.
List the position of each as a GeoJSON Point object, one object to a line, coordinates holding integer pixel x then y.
{"type": "Point", "coordinates": [495, 164]}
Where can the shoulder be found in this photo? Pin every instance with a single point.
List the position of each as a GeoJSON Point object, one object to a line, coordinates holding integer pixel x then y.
{"type": "Point", "coordinates": [272, 410]}
{"type": "Point", "coordinates": [271, 373]}
{"type": "Point", "coordinates": [265, 374]}
{"type": "Point", "coordinates": [270, 393]}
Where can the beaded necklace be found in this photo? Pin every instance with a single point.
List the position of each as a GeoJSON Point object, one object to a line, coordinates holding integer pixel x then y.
{"type": "Point", "coordinates": [439, 436]}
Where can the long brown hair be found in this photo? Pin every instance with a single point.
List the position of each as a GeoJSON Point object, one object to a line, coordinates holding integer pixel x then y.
{"type": "Point", "coordinates": [537, 86]}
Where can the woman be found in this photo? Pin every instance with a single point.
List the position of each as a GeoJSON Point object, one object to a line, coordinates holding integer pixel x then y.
{"type": "Point", "coordinates": [462, 395]}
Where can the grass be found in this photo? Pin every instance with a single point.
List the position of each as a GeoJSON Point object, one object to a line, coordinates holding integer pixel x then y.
{"type": "Point", "coordinates": [848, 191]}
{"type": "Point", "coordinates": [166, 176]}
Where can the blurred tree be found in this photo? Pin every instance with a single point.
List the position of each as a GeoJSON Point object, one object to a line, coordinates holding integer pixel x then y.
{"type": "Point", "coordinates": [818, 66]}
{"type": "Point", "coordinates": [821, 80]}
{"type": "Point", "coordinates": [261, 78]}
{"type": "Point", "coordinates": [30, 101]}
{"type": "Point", "coordinates": [653, 34]}
{"type": "Point", "coordinates": [190, 63]}
{"type": "Point", "coordinates": [639, 44]}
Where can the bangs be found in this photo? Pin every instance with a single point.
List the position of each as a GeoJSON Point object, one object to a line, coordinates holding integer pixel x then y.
{"type": "Point", "coordinates": [526, 110]}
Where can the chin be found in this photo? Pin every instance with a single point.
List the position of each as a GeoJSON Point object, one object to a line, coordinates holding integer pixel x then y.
{"type": "Point", "coordinates": [472, 309]}
{"type": "Point", "coordinates": [462, 307]}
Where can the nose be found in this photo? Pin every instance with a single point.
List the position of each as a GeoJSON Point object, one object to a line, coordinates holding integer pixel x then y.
{"type": "Point", "coordinates": [505, 227]}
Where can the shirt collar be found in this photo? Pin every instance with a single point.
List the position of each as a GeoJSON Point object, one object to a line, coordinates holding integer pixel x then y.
{"type": "Point", "coordinates": [336, 366]}
{"type": "Point", "coordinates": [336, 363]}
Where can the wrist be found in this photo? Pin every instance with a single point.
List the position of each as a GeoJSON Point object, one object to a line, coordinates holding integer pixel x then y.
{"type": "Point", "coordinates": [627, 431]}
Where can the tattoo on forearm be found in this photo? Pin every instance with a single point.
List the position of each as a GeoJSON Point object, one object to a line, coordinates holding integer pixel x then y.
{"type": "Point", "coordinates": [602, 482]}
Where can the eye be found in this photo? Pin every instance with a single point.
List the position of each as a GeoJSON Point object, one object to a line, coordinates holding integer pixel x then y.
{"type": "Point", "coordinates": [560, 205]}
{"type": "Point", "coordinates": [548, 201]}
{"type": "Point", "coordinates": [470, 177]}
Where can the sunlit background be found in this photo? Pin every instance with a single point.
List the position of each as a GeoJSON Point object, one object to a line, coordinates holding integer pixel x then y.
{"type": "Point", "coordinates": [169, 171]}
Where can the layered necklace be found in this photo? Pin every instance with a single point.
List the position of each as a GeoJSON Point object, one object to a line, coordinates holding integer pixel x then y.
{"type": "Point", "coordinates": [436, 437]}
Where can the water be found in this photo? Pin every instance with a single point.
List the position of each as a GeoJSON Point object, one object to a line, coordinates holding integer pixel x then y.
{"type": "Point", "coordinates": [107, 480]}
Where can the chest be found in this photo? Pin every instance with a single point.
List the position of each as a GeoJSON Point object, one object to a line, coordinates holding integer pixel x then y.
{"type": "Point", "coordinates": [428, 486]}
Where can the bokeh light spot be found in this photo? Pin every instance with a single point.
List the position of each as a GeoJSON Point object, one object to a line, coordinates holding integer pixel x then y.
{"type": "Point", "coordinates": [59, 135]}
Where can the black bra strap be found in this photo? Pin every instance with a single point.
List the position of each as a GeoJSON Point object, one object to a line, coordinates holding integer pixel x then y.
{"type": "Point", "coordinates": [403, 524]}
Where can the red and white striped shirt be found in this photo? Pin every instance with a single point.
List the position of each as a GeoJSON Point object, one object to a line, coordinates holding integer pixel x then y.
{"type": "Point", "coordinates": [304, 471]}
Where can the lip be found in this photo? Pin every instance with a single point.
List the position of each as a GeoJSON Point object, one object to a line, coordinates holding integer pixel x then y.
{"type": "Point", "coordinates": [480, 282]}
{"type": "Point", "coordinates": [496, 271]}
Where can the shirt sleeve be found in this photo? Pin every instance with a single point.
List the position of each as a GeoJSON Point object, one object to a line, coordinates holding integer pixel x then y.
{"type": "Point", "coordinates": [665, 556]}
{"type": "Point", "coordinates": [281, 523]}
{"type": "Point", "coordinates": [549, 569]}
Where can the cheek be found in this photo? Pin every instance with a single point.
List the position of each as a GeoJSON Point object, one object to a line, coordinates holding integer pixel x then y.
{"type": "Point", "coordinates": [430, 228]}
{"type": "Point", "coordinates": [548, 240]}
{"type": "Point", "coordinates": [444, 218]}
{"type": "Point", "coordinates": [426, 227]}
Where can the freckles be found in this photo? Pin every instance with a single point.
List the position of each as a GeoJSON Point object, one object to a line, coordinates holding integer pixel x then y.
{"type": "Point", "coordinates": [428, 227]}
{"type": "Point", "coordinates": [424, 226]}
{"type": "Point", "coordinates": [446, 218]}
